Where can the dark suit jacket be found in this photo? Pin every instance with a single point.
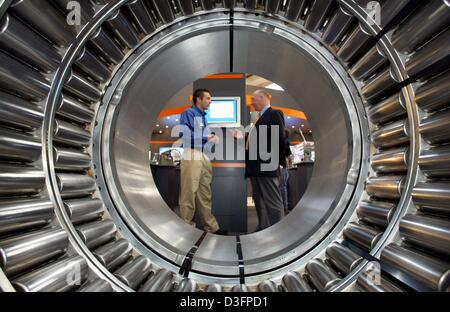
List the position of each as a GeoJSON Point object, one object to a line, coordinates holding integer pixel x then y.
{"type": "Point", "coordinates": [271, 117]}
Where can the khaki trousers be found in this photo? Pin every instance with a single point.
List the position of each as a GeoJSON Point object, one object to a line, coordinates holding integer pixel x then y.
{"type": "Point", "coordinates": [196, 179]}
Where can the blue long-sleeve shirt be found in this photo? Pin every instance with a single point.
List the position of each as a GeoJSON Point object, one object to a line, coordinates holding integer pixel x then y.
{"type": "Point", "coordinates": [195, 120]}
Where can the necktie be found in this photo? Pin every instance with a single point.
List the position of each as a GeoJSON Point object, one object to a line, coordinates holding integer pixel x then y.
{"type": "Point", "coordinates": [247, 144]}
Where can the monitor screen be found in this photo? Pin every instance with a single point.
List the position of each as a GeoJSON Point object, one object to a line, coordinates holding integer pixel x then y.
{"type": "Point", "coordinates": [224, 111]}
{"type": "Point", "coordinates": [165, 149]}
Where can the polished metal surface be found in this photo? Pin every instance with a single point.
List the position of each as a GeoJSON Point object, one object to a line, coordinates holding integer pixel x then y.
{"type": "Point", "coordinates": [96, 286]}
{"type": "Point", "coordinates": [18, 113]}
{"type": "Point", "coordinates": [433, 273]}
{"type": "Point", "coordinates": [97, 233]}
{"type": "Point", "coordinates": [84, 209]}
{"type": "Point", "coordinates": [433, 197]}
{"type": "Point", "coordinates": [431, 233]}
{"type": "Point", "coordinates": [268, 286]}
{"type": "Point", "coordinates": [321, 275]}
{"type": "Point", "coordinates": [45, 19]}
{"type": "Point", "coordinates": [24, 214]}
{"type": "Point", "coordinates": [293, 282]}
{"type": "Point", "coordinates": [435, 162]}
{"type": "Point", "coordinates": [391, 161]}
{"type": "Point", "coordinates": [362, 235]}
{"type": "Point", "coordinates": [435, 94]}
{"type": "Point", "coordinates": [134, 272]}
{"type": "Point", "coordinates": [160, 282]}
{"type": "Point", "coordinates": [75, 110]}
{"type": "Point", "coordinates": [114, 254]}
{"type": "Point", "coordinates": [23, 252]}
{"type": "Point", "coordinates": [18, 146]}
{"type": "Point", "coordinates": [366, 283]}
{"type": "Point", "coordinates": [54, 277]}
{"type": "Point", "coordinates": [23, 43]}
{"type": "Point", "coordinates": [342, 258]}
{"type": "Point", "coordinates": [387, 110]}
{"type": "Point", "coordinates": [376, 212]}
{"type": "Point", "coordinates": [186, 285]}
{"type": "Point", "coordinates": [342, 163]}
{"type": "Point", "coordinates": [71, 159]}
{"type": "Point", "coordinates": [422, 26]}
{"type": "Point", "coordinates": [22, 80]}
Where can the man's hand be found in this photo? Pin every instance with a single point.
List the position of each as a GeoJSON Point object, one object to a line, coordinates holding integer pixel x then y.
{"type": "Point", "coordinates": [213, 139]}
{"type": "Point", "coordinates": [237, 134]}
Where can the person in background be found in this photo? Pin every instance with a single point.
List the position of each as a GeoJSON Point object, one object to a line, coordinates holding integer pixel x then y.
{"type": "Point", "coordinates": [284, 172]}
{"type": "Point", "coordinates": [196, 168]}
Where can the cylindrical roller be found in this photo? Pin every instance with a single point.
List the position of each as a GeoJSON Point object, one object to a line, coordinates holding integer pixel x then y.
{"type": "Point", "coordinates": [426, 270]}
{"type": "Point", "coordinates": [19, 180]}
{"type": "Point", "coordinates": [86, 9]}
{"type": "Point", "coordinates": [387, 110]}
{"type": "Point", "coordinates": [240, 288]}
{"type": "Point", "coordinates": [20, 253]}
{"type": "Point", "coordinates": [63, 275]}
{"type": "Point", "coordinates": [67, 133]}
{"type": "Point", "coordinates": [295, 283]}
{"type": "Point", "coordinates": [186, 7]}
{"type": "Point", "coordinates": [432, 197]}
{"type": "Point", "coordinates": [45, 19]}
{"type": "Point", "coordinates": [134, 272]}
{"type": "Point", "coordinates": [295, 9]}
{"type": "Point", "coordinates": [22, 80]}
{"type": "Point", "coordinates": [380, 84]}
{"type": "Point", "coordinates": [387, 187]}
{"type": "Point", "coordinates": [369, 63]}
{"type": "Point", "coordinates": [18, 113]}
{"type": "Point", "coordinates": [422, 26]}
{"type": "Point", "coordinates": [357, 42]}
{"type": "Point", "coordinates": [74, 185]}
{"type": "Point", "coordinates": [164, 11]}
{"type": "Point", "coordinates": [393, 134]}
{"type": "Point", "coordinates": [432, 53]}
{"type": "Point", "coordinates": [362, 235]}
{"type": "Point", "coordinates": [376, 212]}
{"type": "Point", "coordinates": [229, 4]}
{"type": "Point", "coordinates": [321, 275]}
{"type": "Point", "coordinates": [121, 28]}
{"type": "Point", "coordinates": [391, 161]}
{"type": "Point", "coordinates": [207, 4]}
{"type": "Point", "coordinates": [141, 17]}
{"type": "Point", "coordinates": [318, 14]}
{"type": "Point", "coordinates": [92, 66]}
{"type": "Point", "coordinates": [70, 159]}
{"type": "Point", "coordinates": [106, 47]}
{"type": "Point", "coordinates": [18, 146]}
{"type": "Point", "coordinates": [390, 9]}
{"type": "Point", "coordinates": [114, 254]}
{"type": "Point", "coordinates": [160, 282]}
{"type": "Point", "coordinates": [435, 129]}
{"type": "Point", "coordinates": [435, 162]}
{"type": "Point", "coordinates": [25, 44]}
{"type": "Point", "coordinates": [343, 258]}
{"type": "Point", "coordinates": [97, 233]}
{"type": "Point", "coordinates": [431, 233]}
{"type": "Point", "coordinates": [98, 285]}
{"type": "Point", "coordinates": [272, 6]}
{"type": "Point", "coordinates": [435, 94]}
{"type": "Point", "coordinates": [83, 210]}
{"type": "Point", "coordinates": [186, 285]}
{"type": "Point", "coordinates": [75, 111]}
{"type": "Point", "coordinates": [369, 283]}
{"type": "Point", "coordinates": [82, 88]}
{"type": "Point", "coordinates": [267, 286]}
{"type": "Point", "coordinates": [337, 26]}
{"type": "Point", "coordinates": [19, 215]}
{"type": "Point", "coordinates": [214, 288]}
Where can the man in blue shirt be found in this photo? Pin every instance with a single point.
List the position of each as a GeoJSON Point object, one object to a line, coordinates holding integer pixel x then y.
{"type": "Point", "coordinates": [196, 168]}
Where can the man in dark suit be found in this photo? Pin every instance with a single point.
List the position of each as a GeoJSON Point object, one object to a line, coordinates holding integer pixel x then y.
{"type": "Point", "coordinates": [265, 152]}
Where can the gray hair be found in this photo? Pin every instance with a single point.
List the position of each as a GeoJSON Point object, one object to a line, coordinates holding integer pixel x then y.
{"type": "Point", "coordinates": [266, 94]}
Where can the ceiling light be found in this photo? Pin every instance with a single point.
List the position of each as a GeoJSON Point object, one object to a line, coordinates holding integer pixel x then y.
{"type": "Point", "coordinates": [293, 127]}
{"type": "Point", "coordinates": [167, 127]}
{"type": "Point", "coordinates": [303, 126]}
{"type": "Point", "coordinates": [157, 126]}
{"type": "Point", "coordinates": [274, 86]}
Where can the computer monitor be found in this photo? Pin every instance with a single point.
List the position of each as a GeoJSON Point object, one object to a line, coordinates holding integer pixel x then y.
{"type": "Point", "coordinates": [224, 112]}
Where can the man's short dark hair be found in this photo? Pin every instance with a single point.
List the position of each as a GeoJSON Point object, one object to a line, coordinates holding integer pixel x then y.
{"type": "Point", "coordinates": [199, 93]}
